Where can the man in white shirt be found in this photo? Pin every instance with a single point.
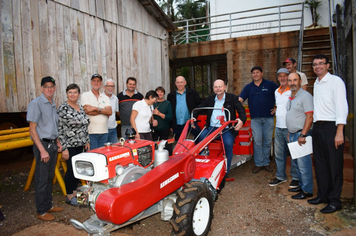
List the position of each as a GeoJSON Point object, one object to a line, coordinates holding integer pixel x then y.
{"type": "Point", "coordinates": [282, 95]}
{"type": "Point", "coordinates": [109, 87]}
{"type": "Point", "coordinates": [291, 66]}
{"type": "Point", "coordinates": [330, 115]}
{"type": "Point", "coordinates": [97, 107]}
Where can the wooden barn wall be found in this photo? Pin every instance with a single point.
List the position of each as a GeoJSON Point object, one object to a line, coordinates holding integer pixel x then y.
{"type": "Point", "coordinates": [268, 51]}
{"type": "Point", "coordinates": [73, 39]}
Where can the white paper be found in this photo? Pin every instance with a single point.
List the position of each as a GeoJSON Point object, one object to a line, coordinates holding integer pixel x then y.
{"type": "Point", "coordinates": [297, 151]}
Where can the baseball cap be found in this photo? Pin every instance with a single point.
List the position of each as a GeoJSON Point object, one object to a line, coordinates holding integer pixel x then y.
{"type": "Point", "coordinates": [47, 79]}
{"type": "Point", "coordinates": [256, 68]}
{"type": "Point", "coordinates": [283, 70]}
{"type": "Point", "coordinates": [96, 76]}
{"type": "Point", "coordinates": [289, 59]}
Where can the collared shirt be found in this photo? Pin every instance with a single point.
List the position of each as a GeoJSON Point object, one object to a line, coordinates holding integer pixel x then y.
{"type": "Point", "coordinates": [114, 102]}
{"type": "Point", "coordinates": [44, 114]}
{"type": "Point", "coordinates": [182, 112]}
{"type": "Point", "coordinates": [330, 103]}
{"type": "Point", "coordinates": [281, 103]}
{"type": "Point", "coordinates": [215, 116]}
{"type": "Point", "coordinates": [297, 108]}
{"type": "Point", "coordinates": [98, 123]}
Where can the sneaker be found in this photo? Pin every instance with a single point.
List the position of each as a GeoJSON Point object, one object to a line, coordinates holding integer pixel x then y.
{"type": "Point", "coordinates": [276, 182]}
{"type": "Point", "coordinates": [55, 209]}
{"type": "Point", "coordinates": [294, 183]}
{"type": "Point", "coordinates": [73, 201]}
{"type": "Point", "coordinates": [268, 168]}
{"type": "Point", "coordinates": [45, 217]}
{"type": "Point", "coordinates": [257, 169]}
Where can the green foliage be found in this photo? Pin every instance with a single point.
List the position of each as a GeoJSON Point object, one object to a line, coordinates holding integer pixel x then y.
{"type": "Point", "coordinates": [313, 5]}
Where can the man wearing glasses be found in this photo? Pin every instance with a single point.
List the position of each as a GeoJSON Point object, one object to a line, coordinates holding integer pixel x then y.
{"type": "Point", "coordinates": [261, 100]}
{"type": "Point", "coordinates": [114, 102]}
{"type": "Point", "coordinates": [97, 106]}
{"type": "Point", "coordinates": [43, 118]}
{"type": "Point", "coordinates": [330, 115]}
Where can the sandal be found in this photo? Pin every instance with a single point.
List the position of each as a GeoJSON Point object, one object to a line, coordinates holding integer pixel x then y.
{"type": "Point", "coordinates": [73, 201]}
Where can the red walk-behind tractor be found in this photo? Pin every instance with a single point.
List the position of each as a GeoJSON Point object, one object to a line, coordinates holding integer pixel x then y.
{"type": "Point", "coordinates": [130, 180]}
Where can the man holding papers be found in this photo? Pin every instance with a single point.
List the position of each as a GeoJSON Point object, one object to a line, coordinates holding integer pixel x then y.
{"type": "Point", "coordinates": [299, 120]}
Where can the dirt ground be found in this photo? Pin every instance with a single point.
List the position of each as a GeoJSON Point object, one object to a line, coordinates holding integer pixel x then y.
{"type": "Point", "coordinates": [247, 206]}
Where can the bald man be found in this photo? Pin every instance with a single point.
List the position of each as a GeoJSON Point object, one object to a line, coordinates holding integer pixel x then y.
{"type": "Point", "coordinates": [220, 99]}
{"type": "Point", "coordinates": [183, 101]}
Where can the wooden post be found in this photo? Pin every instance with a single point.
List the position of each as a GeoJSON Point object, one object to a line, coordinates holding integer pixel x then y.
{"type": "Point", "coordinates": [230, 72]}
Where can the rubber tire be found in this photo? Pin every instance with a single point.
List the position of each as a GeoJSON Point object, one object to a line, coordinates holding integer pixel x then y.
{"type": "Point", "coordinates": [184, 209]}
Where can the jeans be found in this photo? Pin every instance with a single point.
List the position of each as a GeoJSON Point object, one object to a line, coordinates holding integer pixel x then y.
{"type": "Point", "coordinates": [262, 131]}
{"type": "Point", "coordinates": [228, 140]}
{"type": "Point", "coordinates": [303, 166]}
{"type": "Point", "coordinates": [97, 140]}
{"type": "Point", "coordinates": [112, 136]}
{"type": "Point", "coordinates": [70, 181]}
{"type": "Point", "coordinates": [177, 131]}
{"type": "Point", "coordinates": [44, 173]}
{"type": "Point", "coordinates": [280, 152]}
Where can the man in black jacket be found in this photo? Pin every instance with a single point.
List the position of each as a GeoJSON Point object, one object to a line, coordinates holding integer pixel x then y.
{"type": "Point", "coordinates": [221, 100]}
{"type": "Point", "coordinates": [183, 101]}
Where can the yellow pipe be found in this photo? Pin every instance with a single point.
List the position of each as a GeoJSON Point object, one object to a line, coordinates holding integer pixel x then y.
{"type": "Point", "coordinates": [8, 137]}
{"type": "Point", "coordinates": [30, 175]}
{"type": "Point", "coordinates": [12, 131]}
{"type": "Point", "coordinates": [15, 144]}
{"type": "Point", "coordinates": [118, 122]}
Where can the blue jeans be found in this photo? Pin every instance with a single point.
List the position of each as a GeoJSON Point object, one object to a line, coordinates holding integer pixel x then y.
{"type": "Point", "coordinates": [228, 139]}
{"type": "Point", "coordinates": [280, 152]}
{"type": "Point", "coordinates": [303, 166]}
{"type": "Point", "coordinates": [262, 131]}
{"type": "Point", "coordinates": [97, 140]}
{"type": "Point", "coordinates": [112, 136]}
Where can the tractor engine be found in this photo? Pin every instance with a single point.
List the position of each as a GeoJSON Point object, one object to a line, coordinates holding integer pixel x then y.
{"type": "Point", "coordinates": [113, 166]}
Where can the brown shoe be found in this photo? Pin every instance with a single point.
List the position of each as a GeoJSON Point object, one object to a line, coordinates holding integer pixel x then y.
{"type": "Point", "coordinates": [45, 217]}
{"type": "Point", "coordinates": [268, 168]}
{"type": "Point", "coordinates": [257, 169]}
{"type": "Point", "coordinates": [55, 209]}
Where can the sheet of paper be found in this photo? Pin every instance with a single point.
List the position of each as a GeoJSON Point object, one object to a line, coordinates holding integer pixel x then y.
{"type": "Point", "coordinates": [297, 151]}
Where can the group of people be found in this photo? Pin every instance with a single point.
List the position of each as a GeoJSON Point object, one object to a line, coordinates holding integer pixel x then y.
{"type": "Point", "coordinates": [299, 115]}
{"type": "Point", "coordinates": [89, 122]}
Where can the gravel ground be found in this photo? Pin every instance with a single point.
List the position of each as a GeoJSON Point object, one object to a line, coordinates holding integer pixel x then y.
{"type": "Point", "coordinates": [247, 206]}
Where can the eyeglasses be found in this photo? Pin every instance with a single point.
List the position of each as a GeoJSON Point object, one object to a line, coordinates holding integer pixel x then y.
{"type": "Point", "coordinates": [289, 104]}
{"type": "Point", "coordinates": [96, 76]}
{"type": "Point", "coordinates": [48, 87]}
{"type": "Point", "coordinates": [319, 64]}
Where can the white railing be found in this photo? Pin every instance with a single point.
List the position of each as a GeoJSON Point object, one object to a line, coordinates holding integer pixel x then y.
{"type": "Point", "coordinates": [242, 23]}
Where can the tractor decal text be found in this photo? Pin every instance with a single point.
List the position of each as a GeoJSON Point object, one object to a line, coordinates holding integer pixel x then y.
{"type": "Point", "coordinates": [126, 154]}
{"type": "Point", "coordinates": [170, 179]}
{"type": "Point", "coordinates": [202, 160]}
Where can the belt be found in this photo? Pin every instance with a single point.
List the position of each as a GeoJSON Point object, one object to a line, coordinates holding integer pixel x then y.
{"type": "Point", "coordinates": [321, 122]}
{"type": "Point", "coordinates": [48, 140]}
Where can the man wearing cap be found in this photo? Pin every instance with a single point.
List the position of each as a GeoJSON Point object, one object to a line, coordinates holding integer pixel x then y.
{"type": "Point", "coordinates": [299, 119]}
{"type": "Point", "coordinates": [109, 87]}
{"type": "Point", "coordinates": [126, 100]}
{"type": "Point", "coordinates": [97, 106]}
{"type": "Point", "coordinates": [261, 100]}
{"type": "Point", "coordinates": [43, 118]}
{"type": "Point", "coordinates": [282, 95]}
{"type": "Point", "coordinates": [330, 116]}
{"type": "Point", "coordinates": [291, 66]}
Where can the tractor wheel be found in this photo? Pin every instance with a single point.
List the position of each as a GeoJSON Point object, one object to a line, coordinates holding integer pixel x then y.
{"type": "Point", "coordinates": [193, 211]}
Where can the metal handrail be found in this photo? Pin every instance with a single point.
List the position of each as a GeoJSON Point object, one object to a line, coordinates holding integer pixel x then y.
{"type": "Point", "coordinates": [234, 23]}
{"type": "Point", "coordinates": [301, 36]}
{"type": "Point", "coordinates": [333, 51]}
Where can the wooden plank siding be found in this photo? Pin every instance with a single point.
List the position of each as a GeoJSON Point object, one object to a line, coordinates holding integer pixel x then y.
{"type": "Point", "coordinates": [71, 40]}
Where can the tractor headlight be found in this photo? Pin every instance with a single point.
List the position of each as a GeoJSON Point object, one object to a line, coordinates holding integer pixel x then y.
{"type": "Point", "coordinates": [84, 168]}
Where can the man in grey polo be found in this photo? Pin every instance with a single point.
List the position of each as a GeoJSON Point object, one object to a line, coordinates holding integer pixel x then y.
{"type": "Point", "coordinates": [43, 118]}
{"type": "Point", "coordinates": [299, 120]}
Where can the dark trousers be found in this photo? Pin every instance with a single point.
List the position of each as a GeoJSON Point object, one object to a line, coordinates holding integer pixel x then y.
{"type": "Point", "coordinates": [179, 128]}
{"type": "Point", "coordinates": [44, 173]}
{"type": "Point", "coordinates": [69, 179]}
{"type": "Point", "coordinates": [162, 135]}
{"type": "Point", "coordinates": [328, 162]}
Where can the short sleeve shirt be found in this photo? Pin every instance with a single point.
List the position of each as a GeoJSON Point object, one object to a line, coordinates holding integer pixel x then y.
{"type": "Point", "coordinates": [44, 114]}
{"type": "Point", "coordinates": [142, 119]}
{"type": "Point", "coordinates": [281, 103]}
{"type": "Point", "coordinates": [114, 102]}
{"type": "Point", "coordinates": [260, 98]}
{"type": "Point", "coordinates": [297, 108]}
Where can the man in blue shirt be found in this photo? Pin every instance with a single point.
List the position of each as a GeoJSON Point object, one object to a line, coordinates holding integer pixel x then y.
{"type": "Point", "coordinates": [261, 100]}
{"type": "Point", "coordinates": [183, 101]}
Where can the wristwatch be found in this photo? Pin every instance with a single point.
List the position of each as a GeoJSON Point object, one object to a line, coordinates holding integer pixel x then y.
{"type": "Point", "coordinates": [302, 136]}
{"type": "Point", "coordinates": [100, 110]}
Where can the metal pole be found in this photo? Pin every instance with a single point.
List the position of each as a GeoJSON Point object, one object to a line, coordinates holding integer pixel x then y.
{"type": "Point", "coordinates": [230, 25]}
{"type": "Point", "coordinates": [187, 33]}
{"type": "Point", "coordinates": [279, 18]}
{"type": "Point", "coordinates": [354, 90]}
{"type": "Point", "coordinates": [301, 35]}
